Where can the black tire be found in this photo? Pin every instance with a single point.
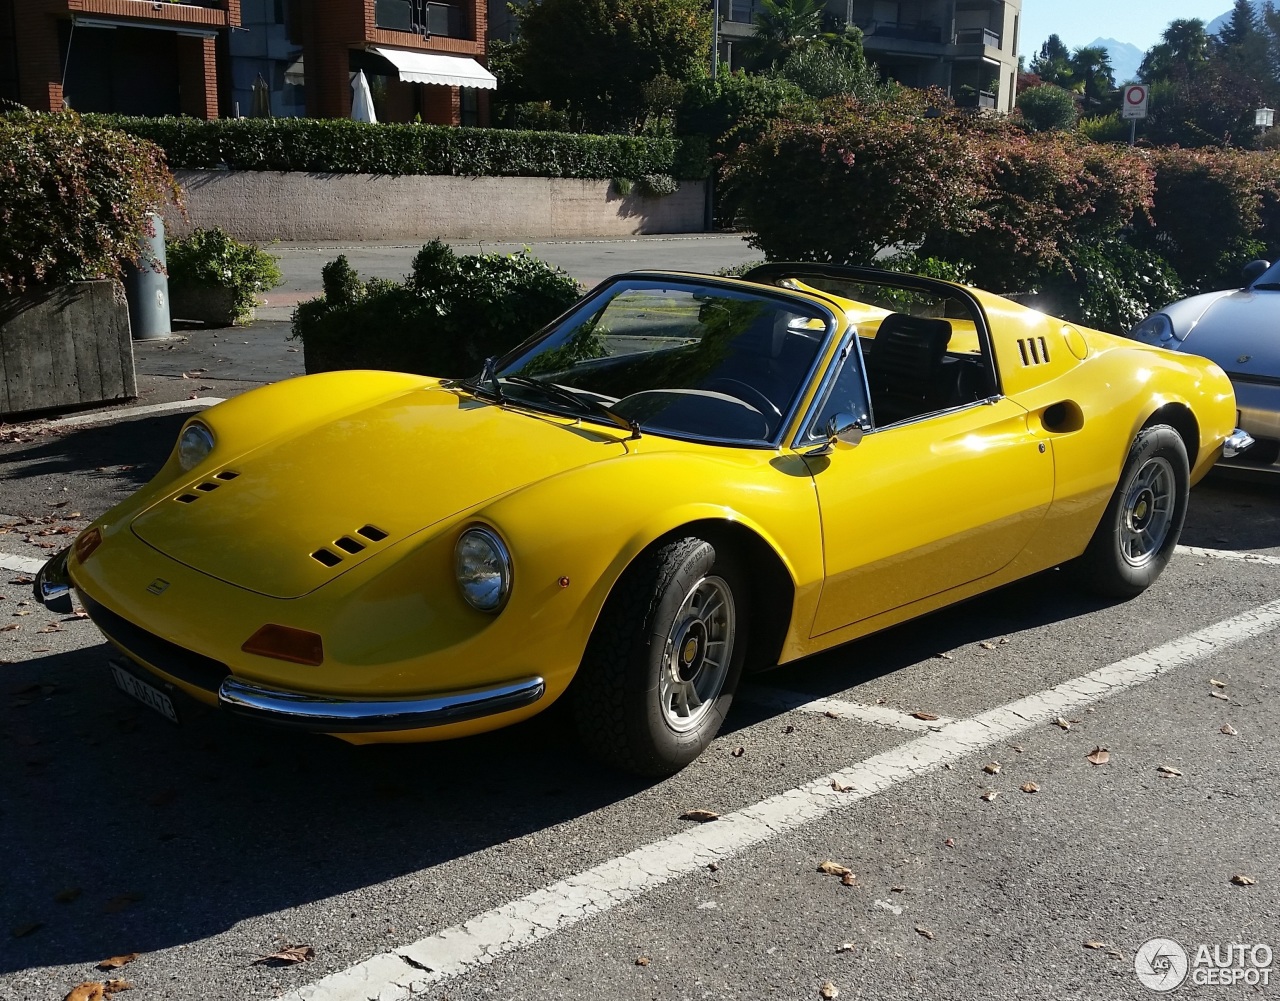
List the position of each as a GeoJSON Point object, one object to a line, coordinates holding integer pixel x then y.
{"type": "Point", "coordinates": [649, 658]}
{"type": "Point", "coordinates": [1143, 522]}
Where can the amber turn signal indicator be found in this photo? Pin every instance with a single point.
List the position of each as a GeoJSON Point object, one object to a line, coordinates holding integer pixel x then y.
{"type": "Point", "coordinates": [87, 543]}
{"type": "Point", "coordinates": [297, 646]}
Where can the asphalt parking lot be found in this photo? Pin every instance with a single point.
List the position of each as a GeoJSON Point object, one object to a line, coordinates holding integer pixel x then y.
{"type": "Point", "coordinates": [506, 866]}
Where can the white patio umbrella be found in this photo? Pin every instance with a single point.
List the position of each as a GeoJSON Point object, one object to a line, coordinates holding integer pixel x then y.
{"type": "Point", "coordinates": [361, 99]}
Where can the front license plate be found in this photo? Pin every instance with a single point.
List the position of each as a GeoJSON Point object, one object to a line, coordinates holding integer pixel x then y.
{"type": "Point", "coordinates": [147, 694]}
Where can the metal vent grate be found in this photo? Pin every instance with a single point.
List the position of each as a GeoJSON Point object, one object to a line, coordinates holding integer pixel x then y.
{"type": "Point", "coordinates": [1034, 351]}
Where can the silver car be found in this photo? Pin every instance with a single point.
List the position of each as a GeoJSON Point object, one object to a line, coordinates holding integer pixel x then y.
{"type": "Point", "coordinates": [1240, 330]}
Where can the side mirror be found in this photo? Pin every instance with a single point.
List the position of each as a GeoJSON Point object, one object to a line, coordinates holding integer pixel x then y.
{"type": "Point", "coordinates": [844, 427]}
{"type": "Point", "coordinates": [1253, 271]}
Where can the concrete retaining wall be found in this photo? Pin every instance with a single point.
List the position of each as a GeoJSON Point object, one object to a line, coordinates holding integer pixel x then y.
{"type": "Point", "coordinates": [65, 347]}
{"type": "Point", "coordinates": [264, 205]}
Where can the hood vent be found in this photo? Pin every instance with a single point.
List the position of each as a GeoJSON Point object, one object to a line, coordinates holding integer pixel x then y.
{"type": "Point", "coordinates": [207, 487]}
{"type": "Point", "coordinates": [1034, 350]}
{"type": "Point", "coordinates": [348, 544]}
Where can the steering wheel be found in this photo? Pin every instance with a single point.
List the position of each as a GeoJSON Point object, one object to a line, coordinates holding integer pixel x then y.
{"type": "Point", "coordinates": [747, 394]}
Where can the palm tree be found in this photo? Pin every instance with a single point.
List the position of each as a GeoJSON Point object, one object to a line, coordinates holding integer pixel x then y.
{"type": "Point", "coordinates": [1091, 68]}
{"type": "Point", "coordinates": [784, 27]}
{"type": "Point", "coordinates": [1182, 52]}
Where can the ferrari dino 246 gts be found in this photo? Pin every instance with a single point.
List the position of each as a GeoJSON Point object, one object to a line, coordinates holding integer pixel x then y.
{"type": "Point", "coordinates": [680, 478]}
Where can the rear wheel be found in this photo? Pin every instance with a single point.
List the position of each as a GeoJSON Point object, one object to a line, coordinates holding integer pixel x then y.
{"type": "Point", "coordinates": [659, 673]}
{"type": "Point", "coordinates": [1143, 521]}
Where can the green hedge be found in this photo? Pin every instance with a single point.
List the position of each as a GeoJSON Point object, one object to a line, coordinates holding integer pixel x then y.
{"type": "Point", "coordinates": [345, 147]}
{"type": "Point", "coordinates": [448, 316]}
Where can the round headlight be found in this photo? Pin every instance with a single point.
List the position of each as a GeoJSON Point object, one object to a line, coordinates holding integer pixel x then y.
{"type": "Point", "coordinates": [196, 442]}
{"type": "Point", "coordinates": [483, 568]}
{"type": "Point", "coordinates": [1156, 329]}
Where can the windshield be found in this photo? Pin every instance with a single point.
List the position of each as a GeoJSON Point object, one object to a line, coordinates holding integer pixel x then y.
{"type": "Point", "coordinates": [1269, 279]}
{"type": "Point", "coordinates": [687, 359]}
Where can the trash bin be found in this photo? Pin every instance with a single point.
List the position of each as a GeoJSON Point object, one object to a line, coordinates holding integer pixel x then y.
{"type": "Point", "coordinates": [146, 287]}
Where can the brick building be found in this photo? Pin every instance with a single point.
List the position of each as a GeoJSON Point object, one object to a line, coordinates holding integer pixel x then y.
{"type": "Point", "coordinates": [211, 58]}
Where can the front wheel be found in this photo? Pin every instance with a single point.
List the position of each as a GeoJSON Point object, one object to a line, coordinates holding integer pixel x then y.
{"type": "Point", "coordinates": [1143, 522]}
{"type": "Point", "coordinates": [661, 667]}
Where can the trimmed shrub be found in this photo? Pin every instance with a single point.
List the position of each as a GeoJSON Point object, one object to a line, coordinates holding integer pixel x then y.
{"type": "Point", "coordinates": [450, 313]}
{"type": "Point", "coordinates": [211, 259]}
{"type": "Point", "coordinates": [1105, 128]}
{"type": "Point", "coordinates": [346, 147]}
{"type": "Point", "coordinates": [1111, 285]}
{"type": "Point", "coordinates": [735, 108]}
{"type": "Point", "coordinates": [1046, 108]}
{"type": "Point", "coordinates": [74, 198]}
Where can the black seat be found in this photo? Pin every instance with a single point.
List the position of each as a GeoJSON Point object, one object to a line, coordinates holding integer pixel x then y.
{"type": "Point", "coordinates": [904, 367]}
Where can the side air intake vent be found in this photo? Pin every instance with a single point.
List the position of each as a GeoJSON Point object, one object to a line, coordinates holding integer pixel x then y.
{"type": "Point", "coordinates": [1034, 351]}
{"type": "Point", "coordinates": [327, 557]}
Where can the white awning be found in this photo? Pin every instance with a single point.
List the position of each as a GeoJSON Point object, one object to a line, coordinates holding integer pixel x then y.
{"type": "Point", "coordinates": [431, 67]}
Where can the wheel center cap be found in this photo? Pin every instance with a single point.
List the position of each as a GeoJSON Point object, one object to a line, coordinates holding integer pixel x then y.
{"type": "Point", "coordinates": [1142, 509]}
{"type": "Point", "coordinates": [692, 651]}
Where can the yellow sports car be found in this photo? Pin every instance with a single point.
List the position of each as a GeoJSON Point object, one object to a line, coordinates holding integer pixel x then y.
{"type": "Point", "coordinates": [682, 478]}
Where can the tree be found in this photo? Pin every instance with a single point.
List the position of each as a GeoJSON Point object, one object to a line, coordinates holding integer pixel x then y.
{"type": "Point", "coordinates": [593, 58]}
{"type": "Point", "coordinates": [831, 70]}
{"type": "Point", "coordinates": [1053, 63]}
{"type": "Point", "coordinates": [783, 27]}
{"type": "Point", "coordinates": [1092, 71]}
{"type": "Point", "coordinates": [1182, 52]}
{"type": "Point", "coordinates": [1243, 25]}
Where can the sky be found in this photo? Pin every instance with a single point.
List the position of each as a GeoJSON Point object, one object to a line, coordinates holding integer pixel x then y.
{"type": "Point", "coordinates": [1079, 22]}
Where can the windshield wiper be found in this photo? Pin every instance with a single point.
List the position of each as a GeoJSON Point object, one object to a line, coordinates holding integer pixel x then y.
{"type": "Point", "coordinates": [1268, 286]}
{"type": "Point", "coordinates": [487, 381]}
{"type": "Point", "coordinates": [582, 404]}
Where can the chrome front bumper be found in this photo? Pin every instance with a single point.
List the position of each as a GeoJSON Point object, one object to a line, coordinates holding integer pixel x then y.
{"type": "Point", "coordinates": [53, 584]}
{"type": "Point", "coordinates": [1237, 441]}
{"type": "Point", "coordinates": [333, 714]}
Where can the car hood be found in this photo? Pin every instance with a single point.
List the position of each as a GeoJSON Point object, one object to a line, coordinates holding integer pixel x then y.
{"type": "Point", "coordinates": [1240, 331]}
{"type": "Point", "coordinates": [291, 516]}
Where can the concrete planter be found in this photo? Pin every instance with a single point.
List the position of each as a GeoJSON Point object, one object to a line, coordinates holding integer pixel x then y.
{"type": "Point", "coordinates": [65, 347]}
{"type": "Point", "coordinates": [209, 304]}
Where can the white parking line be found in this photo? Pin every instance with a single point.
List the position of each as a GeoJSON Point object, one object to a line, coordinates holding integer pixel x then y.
{"type": "Point", "coordinates": [395, 975]}
{"type": "Point", "coordinates": [107, 416]}
{"type": "Point", "coordinates": [20, 564]}
{"type": "Point", "coordinates": [1230, 554]}
{"type": "Point", "coordinates": [881, 716]}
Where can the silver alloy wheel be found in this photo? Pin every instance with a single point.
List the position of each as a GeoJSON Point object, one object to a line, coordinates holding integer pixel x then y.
{"type": "Point", "coordinates": [697, 653]}
{"type": "Point", "coordinates": [1148, 511]}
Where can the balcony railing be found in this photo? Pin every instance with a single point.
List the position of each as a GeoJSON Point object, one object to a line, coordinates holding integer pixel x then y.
{"type": "Point", "coordinates": [975, 99]}
{"type": "Point", "coordinates": [978, 36]}
{"type": "Point", "coordinates": [911, 31]}
{"type": "Point", "coordinates": [419, 17]}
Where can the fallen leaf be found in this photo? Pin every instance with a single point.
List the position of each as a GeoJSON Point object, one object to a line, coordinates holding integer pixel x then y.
{"type": "Point", "coordinates": [992, 768]}
{"type": "Point", "coordinates": [1242, 880]}
{"type": "Point", "coordinates": [849, 879]}
{"type": "Point", "coordinates": [987, 645]}
{"type": "Point", "coordinates": [839, 786]}
{"type": "Point", "coordinates": [1016, 748]}
{"type": "Point", "coordinates": [68, 895]}
{"type": "Point", "coordinates": [1217, 684]}
{"type": "Point", "coordinates": [1062, 723]}
{"type": "Point", "coordinates": [116, 986]}
{"type": "Point", "coordinates": [738, 752]}
{"type": "Point", "coordinates": [925, 932]}
{"type": "Point", "coordinates": [950, 842]}
{"type": "Point", "coordinates": [834, 869]}
{"type": "Point", "coordinates": [845, 947]}
{"type": "Point", "coordinates": [289, 955]}
{"type": "Point", "coordinates": [115, 962]}
{"type": "Point", "coordinates": [701, 816]}
{"type": "Point", "coordinates": [10, 627]}
{"type": "Point", "coordinates": [1093, 943]}
{"type": "Point", "coordinates": [713, 866]}
{"type": "Point", "coordinates": [90, 990]}
{"type": "Point", "coordinates": [1219, 695]}
{"type": "Point", "coordinates": [1029, 787]}
{"type": "Point", "coordinates": [1228, 729]}
{"type": "Point", "coordinates": [897, 889]}
{"type": "Point", "coordinates": [828, 991]}
{"type": "Point", "coordinates": [1167, 770]}
{"type": "Point", "coordinates": [22, 931]}
{"type": "Point", "coordinates": [831, 715]}
{"type": "Point", "coordinates": [642, 961]}
{"type": "Point", "coordinates": [945, 656]}
{"type": "Point", "coordinates": [788, 729]}
{"type": "Point", "coordinates": [1098, 756]}
{"type": "Point", "coordinates": [22, 611]}
{"type": "Point", "coordinates": [990, 794]}
{"type": "Point", "coordinates": [924, 715]}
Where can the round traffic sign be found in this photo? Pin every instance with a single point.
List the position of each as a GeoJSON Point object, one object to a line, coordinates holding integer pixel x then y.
{"type": "Point", "coordinates": [1135, 94]}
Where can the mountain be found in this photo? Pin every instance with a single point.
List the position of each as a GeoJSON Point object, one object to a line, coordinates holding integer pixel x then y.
{"type": "Point", "coordinates": [1215, 26]}
{"type": "Point", "coordinates": [1125, 58]}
